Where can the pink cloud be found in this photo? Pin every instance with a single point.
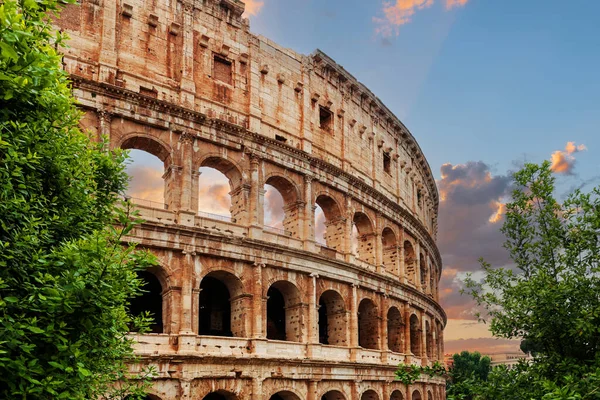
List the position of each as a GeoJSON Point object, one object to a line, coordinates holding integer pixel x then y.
{"type": "Point", "coordinates": [400, 12]}
{"type": "Point", "coordinates": [563, 161]}
{"type": "Point", "coordinates": [253, 7]}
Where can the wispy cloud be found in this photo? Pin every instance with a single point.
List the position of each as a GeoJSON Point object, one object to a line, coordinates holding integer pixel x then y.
{"type": "Point", "coordinates": [253, 7]}
{"type": "Point", "coordinates": [400, 12]}
{"type": "Point", "coordinates": [563, 161]}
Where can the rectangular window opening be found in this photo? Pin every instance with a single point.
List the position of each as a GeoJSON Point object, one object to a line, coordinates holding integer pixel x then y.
{"type": "Point", "coordinates": [387, 163]}
{"type": "Point", "coordinates": [280, 138]}
{"type": "Point", "coordinates": [222, 70]}
{"type": "Point", "coordinates": [325, 119]}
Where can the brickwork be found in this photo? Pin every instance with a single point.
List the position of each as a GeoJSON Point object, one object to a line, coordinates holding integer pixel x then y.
{"type": "Point", "coordinates": [247, 311]}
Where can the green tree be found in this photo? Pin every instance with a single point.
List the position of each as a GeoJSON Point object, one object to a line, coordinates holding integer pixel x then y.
{"type": "Point", "coordinates": [65, 277]}
{"type": "Point", "coordinates": [550, 298]}
{"type": "Point", "coordinates": [469, 370]}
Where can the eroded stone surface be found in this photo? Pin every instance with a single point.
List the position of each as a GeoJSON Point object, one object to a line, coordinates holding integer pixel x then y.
{"type": "Point", "coordinates": [248, 311]}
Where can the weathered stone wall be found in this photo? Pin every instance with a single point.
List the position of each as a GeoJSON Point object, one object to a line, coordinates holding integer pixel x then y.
{"type": "Point", "coordinates": [249, 311]}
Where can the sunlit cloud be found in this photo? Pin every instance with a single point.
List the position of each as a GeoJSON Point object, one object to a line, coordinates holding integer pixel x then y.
{"type": "Point", "coordinates": [213, 192]}
{"type": "Point", "coordinates": [320, 227]}
{"type": "Point", "coordinates": [253, 7]}
{"type": "Point", "coordinates": [486, 345]}
{"type": "Point", "coordinates": [400, 12]}
{"type": "Point", "coordinates": [563, 161]}
{"type": "Point", "coordinates": [274, 213]}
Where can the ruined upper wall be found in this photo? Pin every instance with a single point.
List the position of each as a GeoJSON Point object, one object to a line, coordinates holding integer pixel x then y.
{"type": "Point", "coordinates": [200, 55]}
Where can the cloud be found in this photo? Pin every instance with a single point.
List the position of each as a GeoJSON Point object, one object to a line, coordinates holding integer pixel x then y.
{"type": "Point", "coordinates": [563, 161]}
{"type": "Point", "coordinates": [215, 198]}
{"type": "Point", "coordinates": [471, 214]}
{"type": "Point", "coordinates": [400, 12]}
{"type": "Point", "coordinates": [253, 7]}
{"type": "Point", "coordinates": [274, 213]}
{"type": "Point", "coordinates": [145, 183]}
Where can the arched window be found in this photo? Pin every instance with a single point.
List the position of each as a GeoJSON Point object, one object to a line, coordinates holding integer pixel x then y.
{"type": "Point", "coordinates": [333, 395]}
{"type": "Point", "coordinates": [281, 207]}
{"type": "Point", "coordinates": [416, 395]}
{"type": "Point", "coordinates": [332, 319]}
{"type": "Point", "coordinates": [146, 184]}
{"type": "Point", "coordinates": [410, 262]}
{"type": "Point", "coordinates": [149, 159]}
{"type": "Point", "coordinates": [395, 330]}
{"type": "Point", "coordinates": [390, 250]}
{"type": "Point", "coordinates": [149, 301]}
{"type": "Point", "coordinates": [396, 395]}
{"type": "Point", "coordinates": [368, 325]}
{"type": "Point", "coordinates": [220, 395]}
{"type": "Point", "coordinates": [429, 395]}
{"type": "Point", "coordinates": [423, 272]}
{"type": "Point", "coordinates": [284, 395]}
{"type": "Point", "coordinates": [364, 237]}
{"type": "Point", "coordinates": [415, 336]}
{"type": "Point", "coordinates": [218, 194]}
{"type": "Point", "coordinates": [369, 395]}
{"type": "Point", "coordinates": [329, 224]}
{"type": "Point", "coordinates": [284, 312]}
{"type": "Point", "coordinates": [429, 340]}
{"type": "Point", "coordinates": [221, 311]}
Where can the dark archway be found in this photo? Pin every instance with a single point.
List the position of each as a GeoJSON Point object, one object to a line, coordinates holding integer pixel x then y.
{"type": "Point", "coordinates": [368, 325]}
{"type": "Point", "coordinates": [395, 330]}
{"type": "Point", "coordinates": [416, 395]}
{"type": "Point", "coordinates": [415, 336]}
{"type": "Point", "coordinates": [333, 395]}
{"type": "Point", "coordinates": [215, 308]}
{"type": "Point", "coordinates": [332, 319]}
{"type": "Point", "coordinates": [396, 395]}
{"type": "Point", "coordinates": [284, 312]}
{"type": "Point", "coordinates": [284, 395]}
{"type": "Point", "coordinates": [220, 395]}
{"type": "Point", "coordinates": [369, 395]}
{"type": "Point", "coordinates": [150, 301]}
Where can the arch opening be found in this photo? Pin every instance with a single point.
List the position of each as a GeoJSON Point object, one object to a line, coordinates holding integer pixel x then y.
{"type": "Point", "coordinates": [220, 395]}
{"type": "Point", "coordinates": [333, 395]}
{"type": "Point", "coordinates": [329, 224]}
{"type": "Point", "coordinates": [390, 250]}
{"type": "Point", "coordinates": [364, 237]}
{"type": "Point", "coordinates": [423, 272]}
{"type": "Point", "coordinates": [284, 312]}
{"type": "Point", "coordinates": [396, 395]}
{"type": "Point", "coordinates": [368, 325]}
{"type": "Point", "coordinates": [410, 261]}
{"type": "Point", "coordinates": [416, 395]}
{"type": "Point", "coordinates": [146, 179]}
{"type": "Point", "coordinates": [369, 395]}
{"type": "Point", "coordinates": [395, 329]}
{"type": "Point", "coordinates": [284, 395]}
{"type": "Point", "coordinates": [332, 319]}
{"type": "Point", "coordinates": [428, 340]}
{"type": "Point", "coordinates": [281, 207]}
{"type": "Point", "coordinates": [150, 301]}
{"type": "Point", "coordinates": [415, 336]}
{"type": "Point", "coordinates": [219, 189]}
{"type": "Point", "coordinates": [221, 308]}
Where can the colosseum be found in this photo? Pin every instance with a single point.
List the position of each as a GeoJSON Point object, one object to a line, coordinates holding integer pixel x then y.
{"type": "Point", "coordinates": [244, 310]}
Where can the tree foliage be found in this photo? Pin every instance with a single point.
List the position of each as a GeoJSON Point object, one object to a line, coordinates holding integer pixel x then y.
{"type": "Point", "coordinates": [468, 371]}
{"type": "Point", "coordinates": [550, 297]}
{"type": "Point", "coordinates": [65, 277]}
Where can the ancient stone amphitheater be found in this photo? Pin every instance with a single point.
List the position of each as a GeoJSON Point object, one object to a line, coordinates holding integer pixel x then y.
{"type": "Point", "coordinates": [243, 310]}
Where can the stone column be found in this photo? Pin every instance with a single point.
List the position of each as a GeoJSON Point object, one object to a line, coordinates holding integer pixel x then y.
{"type": "Point", "coordinates": [312, 390]}
{"type": "Point", "coordinates": [383, 338]}
{"type": "Point", "coordinates": [188, 87]}
{"type": "Point", "coordinates": [308, 231]}
{"type": "Point", "coordinates": [407, 338]}
{"type": "Point", "coordinates": [108, 56]}
{"type": "Point", "coordinates": [257, 301]}
{"type": "Point", "coordinates": [348, 228]}
{"type": "Point", "coordinates": [418, 282]}
{"type": "Point", "coordinates": [353, 322]}
{"type": "Point", "coordinates": [104, 120]}
{"type": "Point", "coordinates": [255, 210]}
{"type": "Point", "coordinates": [256, 389]}
{"type": "Point", "coordinates": [423, 338]}
{"type": "Point", "coordinates": [434, 345]}
{"type": "Point", "coordinates": [379, 244]}
{"type": "Point", "coordinates": [313, 325]}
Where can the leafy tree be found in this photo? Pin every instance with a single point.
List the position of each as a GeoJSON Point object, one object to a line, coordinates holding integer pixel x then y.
{"type": "Point", "coordinates": [65, 277]}
{"type": "Point", "coordinates": [469, 370]}
{"type": "Point", "coordinates": [550, 298]}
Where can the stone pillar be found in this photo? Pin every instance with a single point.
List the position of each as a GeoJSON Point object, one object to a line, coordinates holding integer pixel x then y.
{"type": "Point", "coordinates": [348, 228]}
{"type": "Point", "coordinates": [108, 56]}
{"type": "Point", "coordinates": [104, 120]}
{"type": "Point", "coordinates": [313, 325]}
{"type": "Point", "coordinates": [188, 87]}
{"type": "Point", "coordinates": [256, 389]}
{"type": "Point", "coordinates": [418, 282]}
{"type": "Point", "coordinates": [353, 322]}
{"type": "Point", "coordinates": [383, 338]}
{"type": "Point", "coordinates": [185, 147]}
{"type": "Point", "coordinates": [434, 345]}
{"type": "Point", "coordinates": [308, 231]}
{"type": "Point", "coordinates": [423, 339]}
{"type": "Point", "coordinates": [185, 387]}
{"type": "Point", "coordinates": [188, 292]}
{"type": "Point", "coordinates": [407, 338]}
{"type": "Point", "coordinates": [311, 393]}
{"type": "Point", "coordinates": [257, 301]}
{"type": "Point", "coordinates": [379, 244]}
{"type": "Point", "coordinates": [255, 210]}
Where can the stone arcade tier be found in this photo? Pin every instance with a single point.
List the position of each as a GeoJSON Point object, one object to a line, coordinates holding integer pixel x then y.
{"type": "Point", "coordinates": [243, 310]}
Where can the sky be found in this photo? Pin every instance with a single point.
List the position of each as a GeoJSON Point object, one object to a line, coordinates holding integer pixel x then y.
{"type": "Point", "coordinates": [483, 86]}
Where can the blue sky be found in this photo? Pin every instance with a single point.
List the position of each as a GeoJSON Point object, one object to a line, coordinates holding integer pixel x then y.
{"type": "Point", "coordinates": [496, 81]}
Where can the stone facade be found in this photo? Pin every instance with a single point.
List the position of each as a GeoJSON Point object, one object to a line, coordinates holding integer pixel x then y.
{"type": "Point", "coordinates": [245, 311]}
